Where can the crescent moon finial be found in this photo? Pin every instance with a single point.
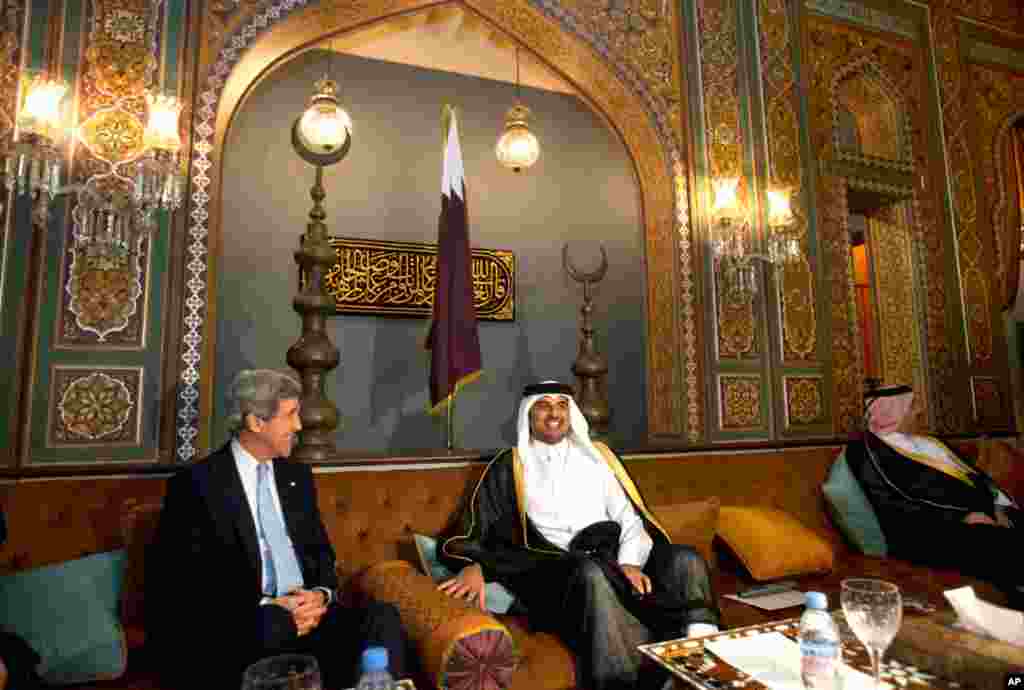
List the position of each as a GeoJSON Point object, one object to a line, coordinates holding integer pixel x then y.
{"type": "Point", "coordinates": [579, 276]}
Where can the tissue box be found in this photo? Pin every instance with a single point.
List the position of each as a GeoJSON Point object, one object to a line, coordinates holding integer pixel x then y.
{"type": "Point", "coordinates": [933, 643]}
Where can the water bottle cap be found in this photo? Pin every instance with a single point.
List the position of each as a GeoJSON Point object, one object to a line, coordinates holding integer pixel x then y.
{"type": "Point", "coordinates": [816, 600]}
{"type": "Point", "coordinates": [375, 659]}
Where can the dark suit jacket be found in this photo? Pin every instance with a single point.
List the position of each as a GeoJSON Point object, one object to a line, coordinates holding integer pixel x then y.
{"type": "Point", "coordinates": [203, 573]}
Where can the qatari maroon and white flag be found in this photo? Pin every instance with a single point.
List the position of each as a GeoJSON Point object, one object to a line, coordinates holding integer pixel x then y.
{"type": "Point", "coordinates": [453, 340]}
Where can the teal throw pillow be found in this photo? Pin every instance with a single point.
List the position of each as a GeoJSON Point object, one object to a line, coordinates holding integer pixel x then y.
{"type": "Point", "coordinates": [68, 614]}
{"type": "Point", "coordinates": [852, 511]}
{"type": "Point", "coordinates": [499, 599]}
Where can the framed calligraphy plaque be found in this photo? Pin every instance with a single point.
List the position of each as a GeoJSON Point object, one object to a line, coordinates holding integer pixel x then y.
{"type": "Point", "coordinates": [397, 279]}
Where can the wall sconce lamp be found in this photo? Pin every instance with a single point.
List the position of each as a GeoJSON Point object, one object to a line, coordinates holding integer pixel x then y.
{"type": "Point", "coordinates": [732, 237]}
{"type": "Point", "coordinates": [114, 205]}
{"type": "Point", "coordinates": [34, 163]}
{"type": "Point", "coordinates": [783, 236]}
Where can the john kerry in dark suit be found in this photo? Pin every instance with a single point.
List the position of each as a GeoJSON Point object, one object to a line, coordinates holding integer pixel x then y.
{"type": "Point", "coordinates": [242, 567]}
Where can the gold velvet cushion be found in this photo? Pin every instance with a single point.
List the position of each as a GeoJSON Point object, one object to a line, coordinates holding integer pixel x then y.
{"type": "Point", "coordinates": [772, 543]}
{"type": "Point", "coordinates": [460, 647]}
{"type": "Point", "coordinates": [693, 524]}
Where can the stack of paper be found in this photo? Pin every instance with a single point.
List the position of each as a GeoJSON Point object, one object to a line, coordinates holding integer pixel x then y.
{"type": "Point", "coordinates": [774, 660]}
{"type": "Point", "coordinates": [773, 601]}
{"type": "Point", "coordinates": [984, 618]}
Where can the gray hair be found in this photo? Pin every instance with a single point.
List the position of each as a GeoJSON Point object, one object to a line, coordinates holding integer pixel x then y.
{"type": "Point", "coordinates": [258, 392]}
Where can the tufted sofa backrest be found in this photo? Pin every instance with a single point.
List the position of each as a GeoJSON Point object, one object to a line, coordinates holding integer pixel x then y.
{"type": "Point", "coordinates": [371, 515]}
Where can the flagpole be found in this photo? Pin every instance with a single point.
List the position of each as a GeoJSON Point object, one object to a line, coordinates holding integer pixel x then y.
{"type": "Point", "coordinates": [451, 421]}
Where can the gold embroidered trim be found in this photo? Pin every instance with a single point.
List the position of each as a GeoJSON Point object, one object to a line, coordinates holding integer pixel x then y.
{"type": "Point", "coordinates": [627, 485]}
{"type": "Point", "coordinates": [517, 471]}
{"type": "Point", "coordinates": [964, 469]}
{"type": "Point", "coordinates": [472, 513]}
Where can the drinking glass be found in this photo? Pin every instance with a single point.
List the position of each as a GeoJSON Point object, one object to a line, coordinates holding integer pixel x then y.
{"type": "Point", "coordinates": [283, 672]}
{"type": "Point", "coordinates": [874, 611]}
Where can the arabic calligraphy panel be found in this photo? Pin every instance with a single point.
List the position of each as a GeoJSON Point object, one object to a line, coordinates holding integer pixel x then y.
{"type": "Point", "coordinates": [397, 279]}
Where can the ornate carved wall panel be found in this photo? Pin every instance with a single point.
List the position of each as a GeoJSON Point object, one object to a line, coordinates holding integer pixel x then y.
{"type": "Point", "coordinates": [741, 407]}
{"type": "Point", "coordinates": [976, 289]}
{"type": "Point", "coordinates": [804, 400]}
{"type": "Point", "coordinates": [617, 59]}
{"type": "Point", "coordinates": [720, 59]}
{"type": "Point", "coordinates": [1007, 14]}
{"type": "Point", "coordinates": [785, 169]}
{"type": "Point", "coordinates": [91, 407]}
{"type": "Point", "coordinates": [989, 404]}
{"type": "Point", "coordinates": [894, 288]}
{"type": "Point", "coordinates": [998, 99]}
{"type": "Point", "coordinates": [847, 363]}
{"type": "Point", "coordinates": [10, 58]}
{"type": "Point", "coordinates": [835, 55]}
{"type": "Point", "coordinates": [103, 300]}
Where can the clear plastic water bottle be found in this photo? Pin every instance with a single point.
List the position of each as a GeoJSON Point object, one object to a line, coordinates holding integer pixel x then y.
{"type": "Point", "coordinates": [820, 646]}
{"type": "Point", "coordinates": [375, 670]}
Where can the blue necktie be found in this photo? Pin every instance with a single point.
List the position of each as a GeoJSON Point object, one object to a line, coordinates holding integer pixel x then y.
{"type": "Point", "coordinates": [281, 572]}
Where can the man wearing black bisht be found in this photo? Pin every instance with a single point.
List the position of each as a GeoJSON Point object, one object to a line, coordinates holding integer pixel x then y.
{"type": "Point", "coordinates": [934, 507]}
{"type": "Point", "coordinates": [559, 522]}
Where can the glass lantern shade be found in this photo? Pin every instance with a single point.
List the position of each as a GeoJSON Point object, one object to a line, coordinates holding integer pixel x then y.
{"type": "Point", "coordinates": [779, 211]}
{"type": "Point", "coordinates": [726, 204]}
{"type": "Point", "coordinates": [41, 110]}
{"type": "Point", "coordinates": [325, 126]}
{"type": "Point", "coordinates": [162, 127]}
{"type": "Point", "coordinates": [517, 148]}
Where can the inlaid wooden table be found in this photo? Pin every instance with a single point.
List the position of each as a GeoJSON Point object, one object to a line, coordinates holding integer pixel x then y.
{"type": "Point", "coordinates": [696, 667]}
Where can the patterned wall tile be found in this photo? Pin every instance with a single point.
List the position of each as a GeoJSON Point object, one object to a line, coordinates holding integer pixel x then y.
{"type": "Point", "coordinates": [92, 406]}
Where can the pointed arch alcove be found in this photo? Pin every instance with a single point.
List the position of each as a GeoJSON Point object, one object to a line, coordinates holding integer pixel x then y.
{"type": "Point", "coordinates": [871, 131]}
{"type": "Point", "coordinates": [868, 109]}
{"type": "Point", "coordinates": [246, 43]}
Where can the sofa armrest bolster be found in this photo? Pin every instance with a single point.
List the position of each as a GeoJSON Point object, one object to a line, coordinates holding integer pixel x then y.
{"type": "Point", "coordinates": [460, 646]}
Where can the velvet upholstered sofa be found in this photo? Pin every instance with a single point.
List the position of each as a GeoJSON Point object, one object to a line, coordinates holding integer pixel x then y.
{"type": "Point", "coordinates": [371, 516]}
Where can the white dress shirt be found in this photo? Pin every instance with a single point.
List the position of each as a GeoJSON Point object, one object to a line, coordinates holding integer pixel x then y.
{"type": "Point", "coordinates": [567, 490]}
{"type": "Point", "coordinates": [248, 468]}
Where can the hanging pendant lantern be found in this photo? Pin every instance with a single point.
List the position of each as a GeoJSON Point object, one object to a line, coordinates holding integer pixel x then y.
{"type": "Point", "coordinates": [517, 147]}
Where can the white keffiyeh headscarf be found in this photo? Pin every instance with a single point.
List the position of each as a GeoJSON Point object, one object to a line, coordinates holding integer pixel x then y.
{"type": "Point", "coordinates": [579, 429]}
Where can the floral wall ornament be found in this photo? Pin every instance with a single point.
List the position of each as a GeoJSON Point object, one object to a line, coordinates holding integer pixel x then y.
{"type": "Point", "coordinates": [95, 406]}
{"type": "Point", "coordinates": [104, 287]}
{"type": "Point", "coordinates": [740, 402]}
{"type": "Point", "coordinates": [113, 135]}
{"type": "Point", "coordinates": [804, 397]}
{"type": "Point", "coordinates": [125, 169]}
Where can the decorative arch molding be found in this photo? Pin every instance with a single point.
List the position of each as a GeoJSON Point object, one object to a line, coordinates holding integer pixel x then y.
{"type": "Point", "coordinates": [835, 51]}
{"type": "Point", "coordinates": [247, 39]}
{"type": "Point", "coordinates": [866, 68]}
